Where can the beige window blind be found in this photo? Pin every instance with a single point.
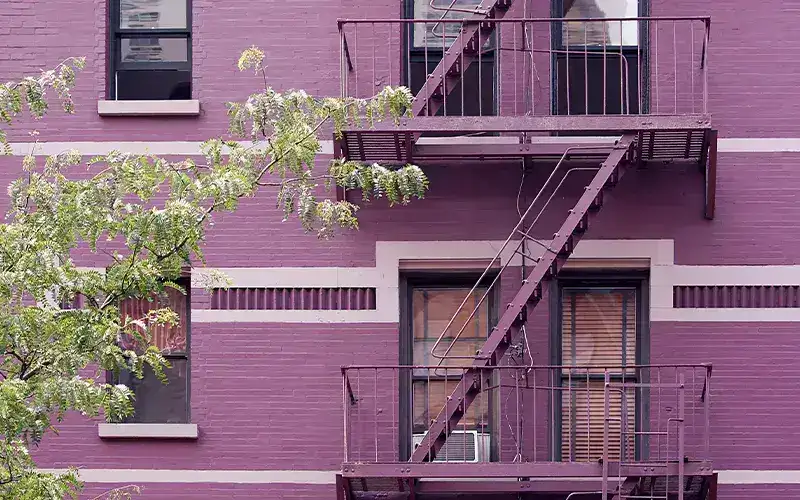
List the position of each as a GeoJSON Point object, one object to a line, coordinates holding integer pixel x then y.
{"type": "Point", "coordinates": [598, 333]}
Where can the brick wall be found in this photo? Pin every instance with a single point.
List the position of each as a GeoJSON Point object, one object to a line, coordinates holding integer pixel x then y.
{"type": "Point", "coordinates": [263, 395]}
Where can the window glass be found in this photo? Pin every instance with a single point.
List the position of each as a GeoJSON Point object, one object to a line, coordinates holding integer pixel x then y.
{"type": "Point", "coordinates": [598, 332]}
{"type": "Point", "coordinates": [432, 309]}
{"type": "Point", "coordinates": [430, 34]}
{"type": "Point", "coordinates": [155, 50]}
{"type": "Point", "coordinates": [152, 14]}
{"type": "Point", "coordinates": [170, 339]}
{"type": "Point", "coordinates": [616, 33]}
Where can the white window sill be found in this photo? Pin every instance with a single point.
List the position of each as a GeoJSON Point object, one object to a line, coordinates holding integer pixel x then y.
{"type": "Point", "coordinates": [147, 431]}
{"type": "Point", "coordinates": [177, 107]}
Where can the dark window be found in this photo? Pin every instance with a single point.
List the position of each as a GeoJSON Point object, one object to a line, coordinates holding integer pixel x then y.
{"type": "Point", "coordinates": [157, 402]}
{"type": "Point", "coordinates": [427, 42]}
{"type": "Point", "coordinates": [151, 46]}
{"type": "Point", "coordinates": [430, 304]}
{"type": "Point", "coordinates": [600, 65]}
{"type": "Point", "coordinates": [598, 329]}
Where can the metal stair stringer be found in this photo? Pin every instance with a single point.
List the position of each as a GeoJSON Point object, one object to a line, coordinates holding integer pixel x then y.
{"type": "Point", "coordinates": [626, 489]}
{"type": "Point", "coordinates": [515, 315]}
{"type": "Point", "coordinates": [455, 60]}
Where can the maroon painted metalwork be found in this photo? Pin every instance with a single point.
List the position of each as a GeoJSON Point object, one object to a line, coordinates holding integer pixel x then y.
{"type": "Point", "coordinates": [545, 470]}
{"type": "Point", "coordinates": [711, 175]}
{"type": "Point", "coordinates": [547, 266]}
{"type": "Point", "coordinates": [475, 32]}
{"type": "Point", "coordinates": [519, 124]}
{"type": "Point", "coordinates": [678, 62]}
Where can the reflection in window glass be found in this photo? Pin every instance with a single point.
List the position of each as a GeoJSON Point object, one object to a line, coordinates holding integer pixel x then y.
{"type": "Point", "coordinates": [430, 34]}
{"type": "Point", "coordinates": [152, 14]}
{"type": "Point", "coordinates": [155, 50]}
{"type": "Point", "coordinates": [617, 33]}
{"type": "Point", "coordinates": [432, 309]}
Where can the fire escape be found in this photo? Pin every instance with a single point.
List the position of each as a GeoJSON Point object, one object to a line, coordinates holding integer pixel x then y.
{"type": "Point", "coordinates": [653, 103]}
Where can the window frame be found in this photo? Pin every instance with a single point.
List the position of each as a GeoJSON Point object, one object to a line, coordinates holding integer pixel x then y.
{"type": "Point", "coordinates": [602, 279]}
{"type": "Point", "coordinates": [114, 49]}
{"type": "Point", "coordinates": [416, 55]}
{"type": "Point", "coordinates": [185, 282]}
{"type": "Point", "coordinates": [556, 35]}
{"type": "Point", "coordinates": [409, 281]}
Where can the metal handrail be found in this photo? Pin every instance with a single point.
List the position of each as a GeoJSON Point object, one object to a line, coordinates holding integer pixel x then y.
{"type": "Point", "coordinates": [491, 266]}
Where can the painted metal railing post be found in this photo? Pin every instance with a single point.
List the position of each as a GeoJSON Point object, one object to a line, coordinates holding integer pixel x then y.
{"type": "Point", "coordinates": [681, 435]}
{"type": "Point", "coordinates": [606, 419]}
{"type": "Point", "coordinates": [346, 410]}
{"type": "Point", "coordinates": [707, 411]}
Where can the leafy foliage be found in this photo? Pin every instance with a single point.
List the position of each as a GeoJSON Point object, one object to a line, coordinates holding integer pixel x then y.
{"type": "Point", "coordinates": [149, 217]}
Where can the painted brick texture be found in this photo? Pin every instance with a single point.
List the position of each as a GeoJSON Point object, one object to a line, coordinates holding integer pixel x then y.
{"type": "Point", "coordinates": [268, 396]}
{"type": "Point", "coordinates": [265, 396]}
{"type": "Point", "coordinates": [218, 491]}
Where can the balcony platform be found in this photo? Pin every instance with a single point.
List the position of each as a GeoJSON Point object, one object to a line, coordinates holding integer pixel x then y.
{"type": "Point", "coordinates": [516, 470]}
{"type": "Point", "coordinates": [660, 137]}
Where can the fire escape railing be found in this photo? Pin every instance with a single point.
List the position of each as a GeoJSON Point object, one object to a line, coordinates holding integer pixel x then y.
{"type": "Point", "coordinates": [664, 73]}
{"type": "Point", "coordinates": [652, 415]}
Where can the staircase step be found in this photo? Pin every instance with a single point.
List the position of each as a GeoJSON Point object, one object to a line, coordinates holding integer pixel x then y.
{"type": "Point", "coordinates": [515, 315]}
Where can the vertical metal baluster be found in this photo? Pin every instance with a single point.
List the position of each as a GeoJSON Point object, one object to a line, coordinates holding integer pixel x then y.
{"type": "Point", "coordinates": [529, 29]}
{"type": "Point", "coordinates": [550, 60]}
{"type": "Point", "coordinates": [681, 437]}
{"type": "Point", "coordinates": [480, 70]}
{"type": "Point", "coordinates": [395, 402]}
{"type": "Point", "coordinates": [658, 412]}
{"type": "Point", "coordinates": [566, 46]}
{"type": "Point", "coordinates": [692, 399]}
{"type": "Point", "coordinates": [639, 65]}
{"type": "Point", "coordinates": [516, 75]}
{"type": "Point", "coordinates": [606, 418]}
{"type": "Point", "coordinates": [691, 68]}
{"type": "Point", "coordinates": [705, 66]}
{"type": "Point", "coordinates": [585, 69]}
{"type": "Point", "coordinates": [360, 434]}
{"type": "Point", "coordinates": [588, 419]}
{"type": "Point", "coordinates": [535, 428]}
{"type": "Point", "coordinates": [605, 71]}
{"type": "Point", "coordinates": [409, 45]}
{"type": "Point", "coordinates": [675, 57]}
{"type": "Point", "coordinates": [622, 74]}
{"type": "Point", "coordinates": [342, 63]}
{"type": "Point", "coordinates": [499, 56]}
{"type": "Point", "coordinates": [464, 418]}
{"type": "Point", "coordinates": [447, 430]}
{"type": "Point", "coordinates": [518, 441]}
{"type": "Point", "coordinates": [376, 415]}
{"type": "Point", "coordinates": [570, 416]}
{"type": "Point", "coordinates": [355, 58]}
{"type": "Point", "coordinates": [655, 51]}
{"type": "Point", "coordinates": [346, 410]}
{"type": "Point", "coordinates": [390, 55]}
{"type": "Point", "coordinates": [428, 74]}
{"type": "Point", "coordinates": [374, 61]}
{"type": "Point", "coordinates": [552, 390]}
{"type": "Point", "coordinates": [444, 75]}
{"type": "Point", "coordinates": [461, 65]}
{"type": "Point", "coordinates": [707, 410]}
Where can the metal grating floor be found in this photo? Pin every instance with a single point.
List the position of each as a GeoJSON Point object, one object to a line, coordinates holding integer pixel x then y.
{"type": "Point", "coordinates": [398, 147]}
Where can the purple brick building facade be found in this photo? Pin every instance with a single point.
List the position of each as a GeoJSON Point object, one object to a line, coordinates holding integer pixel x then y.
{"type": "Point", "coordinates": [266, 409]}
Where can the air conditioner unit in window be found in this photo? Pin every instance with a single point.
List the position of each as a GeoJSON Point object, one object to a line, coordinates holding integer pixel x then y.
{"type": "Point", "coordinates": [461, 446]}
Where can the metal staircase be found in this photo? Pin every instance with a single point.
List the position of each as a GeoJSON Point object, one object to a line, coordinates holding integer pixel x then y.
{"type": "Point", "coordinates": [455, 61]}
{"type": "Point", "coordinates": [547, 267]}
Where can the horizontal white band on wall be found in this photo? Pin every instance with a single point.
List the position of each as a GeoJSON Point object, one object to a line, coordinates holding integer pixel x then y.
{"type": "Point", "coordinates": [327, 477]}
{"type": "Point", "coordinates": [184, 148]}
{"type": "Point", "coordinates": [204, 476]}
{"type": "Point", "coordinates": [392, 256]}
